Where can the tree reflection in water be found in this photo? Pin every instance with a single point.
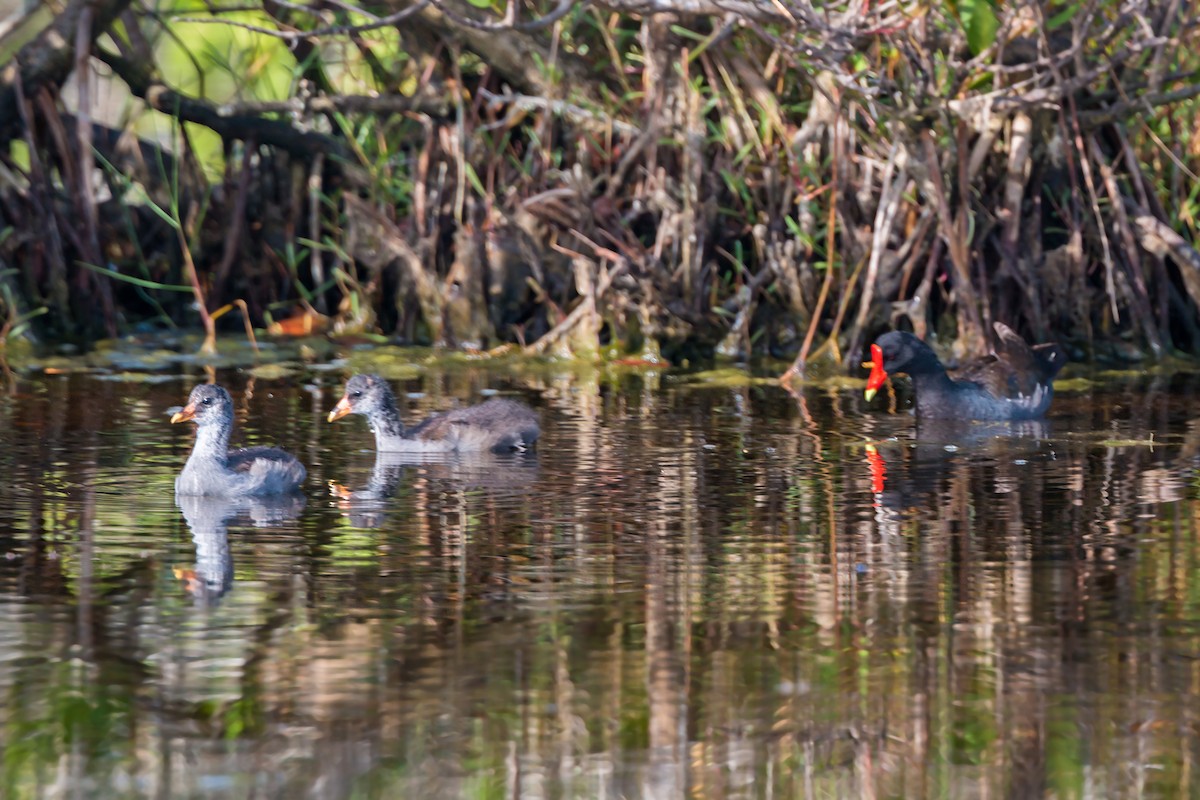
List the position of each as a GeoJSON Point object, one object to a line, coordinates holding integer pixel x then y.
{"type": "Point", "coordinates": [713, 591]}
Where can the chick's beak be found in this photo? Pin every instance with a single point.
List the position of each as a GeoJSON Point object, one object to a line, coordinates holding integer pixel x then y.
{"type": "Point", "coordinates": [878, 375]}
{"type": "Point", "coordinates": [340, 410]}
{"type": "Point", "coordinates": [184, 414]}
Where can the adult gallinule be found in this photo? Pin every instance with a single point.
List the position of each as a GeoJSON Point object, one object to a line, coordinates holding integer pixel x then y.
{"type": "Point", "coordinates": [498, 424]}
{"type": "Point", "coordinates": [214, 469]}
{"type": "Point", "coordinates": [1015, 382]}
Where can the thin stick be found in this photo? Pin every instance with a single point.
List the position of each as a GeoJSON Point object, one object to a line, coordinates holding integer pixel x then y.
{"type": "Point", "coordinates": [210, 329]}
{"type": "Point", "coordinates": [797, 367]}
{"type": "Point", "coordinates": [241, 304]}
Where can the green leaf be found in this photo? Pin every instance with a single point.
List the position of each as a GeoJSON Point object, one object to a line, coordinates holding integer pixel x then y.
{"type": "Point", "coordinates": [1061, 18]}
{"type": "Point", "coordinates": [145, 284]}
{"type": "Point", "coordinates": [979, 21]}
{"type": "Point", "coordinates": [473, 179]}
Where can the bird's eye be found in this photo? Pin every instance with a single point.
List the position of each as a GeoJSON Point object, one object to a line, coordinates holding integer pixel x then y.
{"type": "Point", "coordinates": [356, 393]}
{"type": "Point", "coordinates": [206, 401]}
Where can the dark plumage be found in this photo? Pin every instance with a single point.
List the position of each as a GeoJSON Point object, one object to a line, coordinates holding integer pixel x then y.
{"type": "Point", "coordinates": [498, 424]}
{"type": "Point", "coordinates": [1015, 382]}
{"type": "Point", "coordinates": [214, 469]}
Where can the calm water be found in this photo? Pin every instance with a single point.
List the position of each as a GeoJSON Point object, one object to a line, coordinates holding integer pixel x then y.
{"type": "Point", "coordinates": [687, 591]}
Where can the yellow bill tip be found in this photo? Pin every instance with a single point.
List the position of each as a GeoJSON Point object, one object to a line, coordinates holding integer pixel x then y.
{"type": "Point", "coordinates": [340, 410]}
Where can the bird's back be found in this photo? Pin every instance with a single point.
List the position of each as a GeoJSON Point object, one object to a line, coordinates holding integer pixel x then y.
{"type": "Point", "coordinates": [267, 470]}
{"type": "Point", "coordinates": [1019, 377]}
{"type": "Point", "coordinates": [497, 424]}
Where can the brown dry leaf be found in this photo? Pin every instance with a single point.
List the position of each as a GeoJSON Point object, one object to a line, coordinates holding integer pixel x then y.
{"type": "Point", "coordinates": [304, 323]}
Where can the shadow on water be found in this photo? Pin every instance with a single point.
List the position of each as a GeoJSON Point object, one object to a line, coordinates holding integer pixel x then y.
{"type": "Point", "coordinates": [687, 590]}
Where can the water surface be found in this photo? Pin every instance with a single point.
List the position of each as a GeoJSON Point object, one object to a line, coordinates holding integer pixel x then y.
{"type": "Point", "coordinates": [686, 591]}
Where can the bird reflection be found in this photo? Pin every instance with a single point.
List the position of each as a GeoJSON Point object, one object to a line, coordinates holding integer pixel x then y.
{"type": "Point", "coordinates": [365, 507]}
{"type": "Point", "coordinates": [208, 519]}
{"type": "Point", "coordinates": [496, 473]}
{"type": "Point", "coordinates": [907, 473]}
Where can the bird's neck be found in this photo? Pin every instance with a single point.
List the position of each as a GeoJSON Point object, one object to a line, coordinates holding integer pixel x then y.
{"type": "Point", "coordinates": [387, 424]}
{"type": "Point", "coordinates": [212, 443]}
{"type": "Point", "coordinates": [937, 381]}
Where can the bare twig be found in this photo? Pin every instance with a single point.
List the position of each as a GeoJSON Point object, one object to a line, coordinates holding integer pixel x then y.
{"type": "Point", "coordinates": [49, 59]}
{"type": "Point", "coordinates": [332, 30]}
{"type": "Point", "coordinates": [798, 366]}
{"type": "Point", "coordinates": [344, 104]}
{"type": "Point", "coordinates": [893, 182]}
{"type": "Point", "coordinates": [270, 132]}
{"type": "Point", "coordinates": [575, 113]}
{"type": "Point", "coordinates": [585, 309]}
{"type": "Point", "coordinates": [182, 230]}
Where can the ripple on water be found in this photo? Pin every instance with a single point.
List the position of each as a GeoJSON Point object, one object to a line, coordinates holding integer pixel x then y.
{"type": "Point", "coordinates": [686, 589]}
